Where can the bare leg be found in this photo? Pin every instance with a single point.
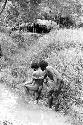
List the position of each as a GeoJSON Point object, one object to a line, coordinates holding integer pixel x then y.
{"type": "Point", "coordinates": [36, 96]}
{"type": "Point", "coordinates": [32, 87]}
{"type": "Point", "coordinates": [27, 83]}
{"type": "Point", "coordinates": [50, 98]}
{"type": "Point", "coordinates": [50, 101]}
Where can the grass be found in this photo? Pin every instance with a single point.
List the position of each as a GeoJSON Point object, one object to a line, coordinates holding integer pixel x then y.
{"type": "Point", "coordinates": [62, 49]}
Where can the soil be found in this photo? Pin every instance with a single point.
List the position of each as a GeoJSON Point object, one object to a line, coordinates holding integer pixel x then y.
{"type": "Point", "coordinates": [14, 111]}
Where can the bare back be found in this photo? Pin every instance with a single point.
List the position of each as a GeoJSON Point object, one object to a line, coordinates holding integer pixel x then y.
{"type": "Point", "coordinates": [54, 75]}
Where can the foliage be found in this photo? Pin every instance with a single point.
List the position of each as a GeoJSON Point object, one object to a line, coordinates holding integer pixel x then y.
{"type": "Point", "coordinates": [17, 12]}
{"type": "Point", "coordinates": [62, 49]}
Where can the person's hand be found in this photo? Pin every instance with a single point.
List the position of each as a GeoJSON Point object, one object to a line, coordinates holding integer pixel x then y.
{"type": "Point", "coordinates": [46, 81]}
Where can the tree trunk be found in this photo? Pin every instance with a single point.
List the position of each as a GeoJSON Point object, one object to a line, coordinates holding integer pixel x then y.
{"type": "Point", "coordinates": [3, 6]}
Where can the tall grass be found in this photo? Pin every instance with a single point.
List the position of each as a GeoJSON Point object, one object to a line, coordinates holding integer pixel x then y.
{"type": "Point", "coordinates": [62, 49]}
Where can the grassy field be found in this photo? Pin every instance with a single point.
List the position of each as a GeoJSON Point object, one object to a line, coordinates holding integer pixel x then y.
{"type": "Point", "coordinates": [63, 49]}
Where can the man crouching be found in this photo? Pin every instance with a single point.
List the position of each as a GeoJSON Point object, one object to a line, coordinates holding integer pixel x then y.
{"type": "Point", "coordinates": [55, 85]}
{"type": "Point", "coordinates": [36, 83]}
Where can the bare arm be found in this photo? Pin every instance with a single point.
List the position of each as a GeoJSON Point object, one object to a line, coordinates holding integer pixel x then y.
{"type": "Point", "coordinates": [46, 81]}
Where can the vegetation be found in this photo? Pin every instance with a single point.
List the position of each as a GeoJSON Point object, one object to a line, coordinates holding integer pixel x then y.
{"type": "Point", "coordinates": [14, 13]}
{"type": "Point", "coordinates": [63, 48]}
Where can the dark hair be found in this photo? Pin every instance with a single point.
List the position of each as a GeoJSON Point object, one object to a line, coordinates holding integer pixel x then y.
{"type": "Point", "coordinates": [34, 65]}
{"type": "Point", "coordinates": [43, 64]}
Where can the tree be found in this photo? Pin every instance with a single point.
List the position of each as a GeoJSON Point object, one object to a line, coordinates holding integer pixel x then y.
{"type": "Point", "coordinates": [30, 10]}
{"type": "Point", "coordinates": [5, 2]}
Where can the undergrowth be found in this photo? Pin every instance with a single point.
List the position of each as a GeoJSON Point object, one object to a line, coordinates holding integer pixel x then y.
{"type": "Point", "coordinates": [63, 50]}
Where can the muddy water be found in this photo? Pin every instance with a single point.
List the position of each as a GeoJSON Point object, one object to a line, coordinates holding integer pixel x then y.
{"type": "Point", "coordinates": [18, 112]}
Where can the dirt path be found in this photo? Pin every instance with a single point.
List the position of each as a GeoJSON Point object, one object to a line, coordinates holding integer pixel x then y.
{"type": "Point", "coordinates": [17, 112]}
